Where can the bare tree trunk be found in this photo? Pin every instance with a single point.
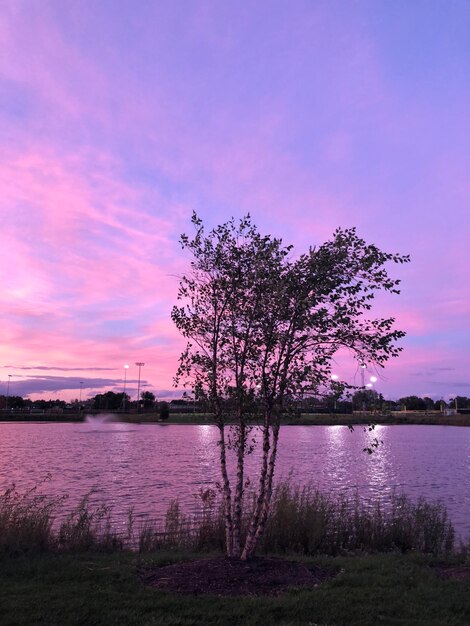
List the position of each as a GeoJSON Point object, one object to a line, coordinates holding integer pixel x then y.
{"type": "Point", "coordinates": [269, 485]}
{"type": "Point", "coordinates": [227, 493]}
{"type": "Point", "coordinates": [238, 500]}
{"type": "Point", "coordinates": [250, 539]}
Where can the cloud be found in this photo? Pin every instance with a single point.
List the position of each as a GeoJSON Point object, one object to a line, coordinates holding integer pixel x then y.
{"type": "Point", "coordinates": [59, 369]}
{"type": "Point", "coordinates": [48, 386]}
{"type": "Point", "coordinates": [452, 383]}
{"type": "Point", "coordinates": [33, 385]}
{"type": "Point", "coordinates": [321, 121]}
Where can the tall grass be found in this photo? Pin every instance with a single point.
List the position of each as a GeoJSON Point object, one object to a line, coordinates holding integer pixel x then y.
{"type": "Point", "coordinates": [303, 520]}
{"type": "Point", "coordinates": [307, 521]}
{"type": "Point", "coordinates": [26, 520]}
{"type": "Point", "coordinates": [88, 527]}
{"type": "Point", "coordinates": [29, 523]}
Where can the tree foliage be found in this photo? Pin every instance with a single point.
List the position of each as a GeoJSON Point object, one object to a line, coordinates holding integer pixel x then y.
{"type": "Point", "coordinates": [262, 327]}
{"type": "Point", "coordinates": [367, 400]}
{"type": "Point", "coordinates": [109, 401]}
{"type": "Point", "coordinates": [413, 403]}
{"type": "Point", "coordinates": [148, 399]}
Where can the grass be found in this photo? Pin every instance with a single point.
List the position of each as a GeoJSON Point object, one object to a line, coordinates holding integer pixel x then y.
{"type": "Point", "coordinates": [104, 589]}
{"type": "Point", "coordinates": [303, 520]}
{"type": "Point", "coordinates": [323, 419]}
{"type": "Point", "coordinates": [78, 571]}
{"type": "Point", "coordinates": [391, 419]}
{"type": "Point", "coordinates": [307, 521]}
{"type": "Point", "coordinates": [306, 419]}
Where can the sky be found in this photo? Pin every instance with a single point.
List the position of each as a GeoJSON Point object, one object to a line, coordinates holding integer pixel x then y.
{"type": "Point", "coordinates": [118, 119]}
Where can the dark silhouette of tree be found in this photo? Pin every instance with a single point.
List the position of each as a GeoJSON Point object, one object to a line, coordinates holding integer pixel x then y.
{"type": "Point", "coordinates": [413, 403]}
{"type": "Point", "coordinates": [459, 402]}
{"type": "Point", "coordinates": [429, 402]}
{"type": "Point", "coordinates": [262, 328]}
{"type": "Point", "coordinates": [367, 400]}
{"type": "Point", "coordinates": [148, 399]}
{"type": "Point", "coordinates": [164, 410]}
{"type": "Point", "coordinates": [109, 401]}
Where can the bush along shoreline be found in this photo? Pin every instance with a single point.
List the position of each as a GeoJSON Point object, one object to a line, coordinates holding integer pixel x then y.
{"type": "Point", "coordinates": [304, 521]}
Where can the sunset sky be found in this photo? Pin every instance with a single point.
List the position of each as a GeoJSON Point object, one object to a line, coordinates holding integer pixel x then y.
{"type": "Point", "coordinates": [119, 118]}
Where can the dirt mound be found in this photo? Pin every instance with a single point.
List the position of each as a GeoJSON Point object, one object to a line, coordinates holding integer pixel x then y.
{"type": "Point", "coordinates": [232, 577]}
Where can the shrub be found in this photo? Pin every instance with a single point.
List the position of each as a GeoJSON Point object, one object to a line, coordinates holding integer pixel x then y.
{"type": "Point", "coordinates": [164, 410]}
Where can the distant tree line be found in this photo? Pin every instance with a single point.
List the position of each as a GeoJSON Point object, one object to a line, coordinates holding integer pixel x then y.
{"type": "Point", "coordinates": [108, 401]}
{"type": "Point", "coordinates": [361, 400]}
{"type": "Point", "coordinates": [370, 400]}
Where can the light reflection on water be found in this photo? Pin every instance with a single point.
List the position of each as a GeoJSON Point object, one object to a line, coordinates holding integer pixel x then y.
{"type": "Point", "coordinates": [147, 466]}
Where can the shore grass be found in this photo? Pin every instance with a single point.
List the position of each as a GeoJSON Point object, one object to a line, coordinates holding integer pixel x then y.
{"type": "Point", "coordinates": [391, 419]}
{"type": "Point", "coordinates": [321, 419]}
{"type": "Point", "coordinates": [305, 419]}
{"type": "Point", "coordinates": [103, 589]}
{"type": "Point", "coordinates": [79, 571]}
{"type": "Point", "coordinates": [303, 520]}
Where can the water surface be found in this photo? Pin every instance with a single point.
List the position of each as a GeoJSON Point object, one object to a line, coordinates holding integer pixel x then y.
{"type": "Point", "coordinates": [146, 466]}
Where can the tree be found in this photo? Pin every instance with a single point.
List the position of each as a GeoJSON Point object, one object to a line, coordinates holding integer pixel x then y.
{"type": "Point", "coordinates": [459, 402]}
{"type": "Point", "coordinates": [413, 403]}
{"type": "Point", "coordinates": [366, 400]}
{"type": "Point", "coordinates": [164, 410]}
{"type": "Point", "coordinates": [148, 398]}
{"type": "Point", "coordinates": [261, 329]}
{"type": "Point", "coordinates": [109, 401]}
{"type": "Point", "coordinates": [429, 402]}
{"type": "Point", "coordinates": [14, 402]}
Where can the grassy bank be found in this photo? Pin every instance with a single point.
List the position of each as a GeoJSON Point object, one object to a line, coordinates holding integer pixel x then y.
{"type": "Point", "coordinates": [102, 589]}
{"type": "Point", "coordinates": [323, 419]}
{"type": "Point", "coordinates": [306, 419]}
{"type": "Point", "coordinates": [80, 571]}
{"type": "Point", "coordinates": [396, 418]}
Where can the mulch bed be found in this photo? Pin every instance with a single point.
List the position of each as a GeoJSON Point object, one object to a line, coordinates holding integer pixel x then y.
{"type": "Point", "coordinates": [453, 572]}
{"type": "Point", "coordinates": [231, 577]}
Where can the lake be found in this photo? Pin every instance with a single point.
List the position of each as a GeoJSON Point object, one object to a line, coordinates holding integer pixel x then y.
{"type": "Point", "coordinates": [146, 466]}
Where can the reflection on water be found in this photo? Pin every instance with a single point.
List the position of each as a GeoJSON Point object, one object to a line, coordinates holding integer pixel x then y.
{"type": "Point", "coordinates": [146, 466]}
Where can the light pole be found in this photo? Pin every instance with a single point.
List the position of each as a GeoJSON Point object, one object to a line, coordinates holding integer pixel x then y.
{"type": "Point", "coordinates": [80, 400]}
{"type": "Point", "coordinates": [363, 368]}
{"type": "Point", "coordinates": [139, 365]}
{"type": "Point", "coordinates": [8, 391]}
{"type": "Point", "coordinates": [126, 367]}
{"type": "Point", "coordinates": [334, 378]}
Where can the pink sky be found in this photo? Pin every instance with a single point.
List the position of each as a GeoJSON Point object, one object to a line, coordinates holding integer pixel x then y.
{"type": "Point", "coordinates": [117, 122]}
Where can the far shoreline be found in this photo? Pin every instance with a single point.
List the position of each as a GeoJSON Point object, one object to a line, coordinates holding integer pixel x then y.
{"type": "Point", "coordinates": [401, 418]}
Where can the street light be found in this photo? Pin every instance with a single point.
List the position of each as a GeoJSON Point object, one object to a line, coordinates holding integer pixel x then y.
{"type": "Point", "coordinates": [8, 391]}
{"type": "Point", "coordinates": [363, 368]}
{"type": "Point", "coordinates": [126, 367]}
{"type": "Point", "coordinates": [80, 400]}
{"type": "Point", "coordinates": [373, 379]}
{"type": "Point", "coordinates": [334, 378]}
{"type": "Point", "coordinates": [139, 365]}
